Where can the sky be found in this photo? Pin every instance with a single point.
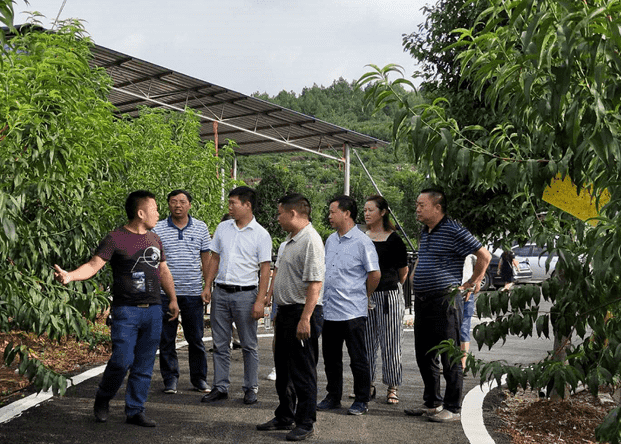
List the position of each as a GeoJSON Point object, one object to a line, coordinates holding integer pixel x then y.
{"type": "Point", "coordinates": [249, 45]}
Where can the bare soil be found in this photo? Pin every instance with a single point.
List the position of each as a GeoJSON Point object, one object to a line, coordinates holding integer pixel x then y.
{"type": "Point", "coordinates": [67, 357]}
{"type": "Point", "coordinates": [528, 419]}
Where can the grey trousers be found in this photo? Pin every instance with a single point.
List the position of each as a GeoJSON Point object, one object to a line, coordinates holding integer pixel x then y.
{"type": "Point", "coordinates": [227, 308]}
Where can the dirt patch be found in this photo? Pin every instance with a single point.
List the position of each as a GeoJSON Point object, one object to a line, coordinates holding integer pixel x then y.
{"type": "Point", "coordinates": [67, 357]}
{"type": "Point", "coordinates": [525, 418]}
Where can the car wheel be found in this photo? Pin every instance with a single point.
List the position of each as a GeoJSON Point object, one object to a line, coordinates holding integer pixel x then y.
{"type": "Point", "coordinates": [486, 281]}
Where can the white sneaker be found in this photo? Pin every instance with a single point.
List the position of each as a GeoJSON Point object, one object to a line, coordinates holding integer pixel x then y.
{"type": "Point", "coordinates": [272, 375]}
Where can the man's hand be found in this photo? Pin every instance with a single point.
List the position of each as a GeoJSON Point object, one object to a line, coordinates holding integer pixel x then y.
{"type": "Point", "coordinates": [303, 332]}
{"type": "Point", "coordinates": [469, 285]}
{"type": "Point", "coordinates": [173, 308]}
{"type": "Point", "coordinates": [258, 309]}
{"type": "Point", "coordinates": [206, 294]}
{"type": "Point", "coordinates": [61, 275]}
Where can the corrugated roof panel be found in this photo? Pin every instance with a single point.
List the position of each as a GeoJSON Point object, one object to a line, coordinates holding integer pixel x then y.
{"type": "Point", "coordinates": [255, 125]}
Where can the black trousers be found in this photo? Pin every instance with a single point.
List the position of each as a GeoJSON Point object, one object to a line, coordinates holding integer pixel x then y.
{"type": "Point", "coordinates": [436, 319]}
{"type": "Point", "coordinates": [352, 333]}
{"type": "Point", "coordinates": [296, 366]}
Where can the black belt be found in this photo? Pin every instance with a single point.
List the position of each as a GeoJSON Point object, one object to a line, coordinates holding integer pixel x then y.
{"type": "Point", "coordinates": [235, 288]}
{"type": "Point", "coordinates": [434, 294]}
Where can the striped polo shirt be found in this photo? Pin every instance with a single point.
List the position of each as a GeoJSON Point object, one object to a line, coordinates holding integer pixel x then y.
{"type": "Point", "coordinates": [183, 249]}
{"type": "Point", "coordinates": [441, 256]}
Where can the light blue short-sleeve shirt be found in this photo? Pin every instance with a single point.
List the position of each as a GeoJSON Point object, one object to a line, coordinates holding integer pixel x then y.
{"type": "Point", "coordinates": [241, 252]}
{"type": "Point", "coordinates": [349, 260]}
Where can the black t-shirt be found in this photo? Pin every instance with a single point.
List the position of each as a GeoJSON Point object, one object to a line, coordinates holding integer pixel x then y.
{"type": "Point", "coordinates": [392, 256]}
{"type": "Point", "coordinates": [506, 265]}
{"type": "Point", "coordinates": [135, 261]}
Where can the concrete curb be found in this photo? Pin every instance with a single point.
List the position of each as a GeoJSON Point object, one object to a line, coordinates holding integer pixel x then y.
{"type": "Point", "coordinates": [472, 414]}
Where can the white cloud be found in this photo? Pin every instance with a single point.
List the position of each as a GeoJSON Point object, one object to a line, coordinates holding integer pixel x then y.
{"type": "Point", "coordinates": [251, 45]}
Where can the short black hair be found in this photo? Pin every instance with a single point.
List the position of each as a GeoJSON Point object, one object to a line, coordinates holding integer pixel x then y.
{"type": "Point", "coordinates": [437, 196]}
{"type": "Point", "coordinates": [297, 202]}
{"type": "Point", "coordinates": [346, 203]}
{"type": "Point", "coordinates": [245, 194]}
{"type": "Point", "coordinates": [178, 192]}
{"type": "Point", "coordinates": [133, 201]}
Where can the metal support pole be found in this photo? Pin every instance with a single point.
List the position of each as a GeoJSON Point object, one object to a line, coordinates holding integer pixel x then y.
{"type": "Point", "coordinates": [235, 168]}
{"type": "Point", "coordinates": [347, 168]}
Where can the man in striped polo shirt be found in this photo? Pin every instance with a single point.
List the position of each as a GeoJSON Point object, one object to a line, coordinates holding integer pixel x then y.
{"type": "Point", "coordinates": [187, 243]}
{"type": "Point", "coordinates": [444, 244]}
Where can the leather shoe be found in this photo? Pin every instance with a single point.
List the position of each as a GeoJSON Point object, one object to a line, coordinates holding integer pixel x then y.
{"type": "Point", "coordinates": [250, 397]}
{"type": "Point", "coordinates": [101, 408]}
{"type": "Point", "coordinates": [445, 416]}
{"type": "Point", "coordinates": [328, 404]}
{"type": "Point", "coordinates": [423, 410]}
{"type": "Point", "coordinates": [275, 424]}
{"type": "Point", "coordinates": [140, 420]}
{"type": "Point", "coordinates": [299, 434]}
{"type": "Point", "coordinates": [215, 395]}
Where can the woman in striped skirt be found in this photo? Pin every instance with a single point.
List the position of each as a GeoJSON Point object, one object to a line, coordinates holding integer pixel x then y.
{"type": "Point", "coordinates": [386, 306]}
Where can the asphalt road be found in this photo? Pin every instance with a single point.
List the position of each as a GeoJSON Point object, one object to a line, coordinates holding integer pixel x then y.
{"type": "Point", "coordinates": [182, 418]}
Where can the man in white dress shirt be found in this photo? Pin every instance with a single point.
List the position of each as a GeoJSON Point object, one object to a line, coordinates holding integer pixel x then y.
{"type": "Point", "coordinates": [240, 268]}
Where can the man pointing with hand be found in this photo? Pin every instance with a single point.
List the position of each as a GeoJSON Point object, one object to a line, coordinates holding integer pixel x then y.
{"type": "Point", "coordinates": [138, 269]}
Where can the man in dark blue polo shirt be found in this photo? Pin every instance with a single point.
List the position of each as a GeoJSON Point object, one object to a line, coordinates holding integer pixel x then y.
{"type": "Point", "coordinates": [444, 244]}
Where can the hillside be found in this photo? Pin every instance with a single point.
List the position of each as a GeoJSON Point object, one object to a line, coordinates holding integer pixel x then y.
{"type": "Point", "coordinates": [320, 178]}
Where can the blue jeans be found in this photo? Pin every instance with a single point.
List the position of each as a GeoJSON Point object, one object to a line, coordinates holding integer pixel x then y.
{"type": "Point", "coordinates": [191, 310]}
{"type": "Point", "coordinates": [464, 331]}
{"type": "Point", "coordinates": [135, 336]}
{"type": "Point", "coordinates": [227, 308]}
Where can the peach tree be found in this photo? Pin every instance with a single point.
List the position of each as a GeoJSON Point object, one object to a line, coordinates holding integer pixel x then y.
{"type": "Point", "coordinates": [67, 162]}
{"type": "Point", "coordinates": [549, 72]}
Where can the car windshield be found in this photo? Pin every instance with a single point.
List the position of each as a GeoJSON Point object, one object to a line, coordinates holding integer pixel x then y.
{"type": "Point", "coordinates": [539, 252]}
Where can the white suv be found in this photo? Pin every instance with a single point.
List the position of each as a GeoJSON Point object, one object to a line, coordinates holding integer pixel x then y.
{"type": "Point", "coordinates": [536, 258]}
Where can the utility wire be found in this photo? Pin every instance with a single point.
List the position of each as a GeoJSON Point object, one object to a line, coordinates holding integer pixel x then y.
{"type": "Point", "coordinates": [380, 193]}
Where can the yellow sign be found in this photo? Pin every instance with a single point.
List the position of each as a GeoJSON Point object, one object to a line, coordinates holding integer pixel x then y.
{"type": "Point", "coordinates": [563, 194]}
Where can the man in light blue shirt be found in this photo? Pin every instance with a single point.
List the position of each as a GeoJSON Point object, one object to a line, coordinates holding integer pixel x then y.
{"type": "Point", "coordinates": [352, 274]}
{"type": "Point", "coordinates": [186, 241]}
{"type": "Point", "coordinates": [240, 267]}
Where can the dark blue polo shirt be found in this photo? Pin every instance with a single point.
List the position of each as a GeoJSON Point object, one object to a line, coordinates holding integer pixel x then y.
{"type": "Point", "coordinates": [441, 256]}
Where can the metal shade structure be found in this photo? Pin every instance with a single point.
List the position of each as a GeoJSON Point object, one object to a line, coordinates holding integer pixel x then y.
{"type": "Point", "coordinates": [256, 126]}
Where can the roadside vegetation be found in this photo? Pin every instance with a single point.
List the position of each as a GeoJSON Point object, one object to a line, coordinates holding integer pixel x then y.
{"type": "Point", "coordinates": [66, 164]}
{"type": "Point", "coordinates": [547, 75]}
